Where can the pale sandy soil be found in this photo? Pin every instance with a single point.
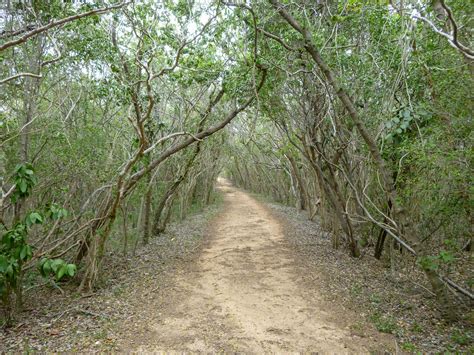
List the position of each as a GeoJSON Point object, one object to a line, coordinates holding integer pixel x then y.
{"type": "Point", "coordinates": [244, 294]}
{"type": "Point", "coordinates": [242, 276]}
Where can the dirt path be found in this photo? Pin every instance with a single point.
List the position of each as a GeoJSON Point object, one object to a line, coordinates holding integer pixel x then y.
{"type": "Point", "coordinates": [243, 294]}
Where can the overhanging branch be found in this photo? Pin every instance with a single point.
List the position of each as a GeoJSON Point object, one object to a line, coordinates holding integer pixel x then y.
{"type": "Point", "coordinates": [58, 23]}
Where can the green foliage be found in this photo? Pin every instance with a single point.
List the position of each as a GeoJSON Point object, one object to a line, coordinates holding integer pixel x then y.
{"type": "Point", "coordinates": [384, 324]}
{"type": "Point", "coordinates": [56, 267]}
{"type": "Point", "coordinates": [356, 290]}
{"type": "Point", "coordinates": [33, 218]}
{"type": "Point", "coordinates": [375, 298]}
{"type": "Point", "coordinates": [14, 247]}
{"type": "Point", "coordinates": [416, 328]}
{"type": "Point", "coordinates": [25, 180]}
{"type": "Point", "coordinates": [433, 262]}
{"type": "Point", "coordinates": [412, 89]}
{"type": "Point", "coordinates": [429, 263]}
{"type": "Point", "coordinates": [14, 251]}
{"type": "Point", "coordinates": [407, 346]}
{"type": "Point", "coordinates": [461, 338]}
{"type": "Point", "coordinates": [398, 127]}
{"type": "Point", "coordinates": [55, 212]}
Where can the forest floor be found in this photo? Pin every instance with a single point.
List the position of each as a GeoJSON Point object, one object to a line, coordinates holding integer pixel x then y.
{"type": "Point", "coordinates": [244, 276]}
{"type": "Point", "coordinates": [246, 293]}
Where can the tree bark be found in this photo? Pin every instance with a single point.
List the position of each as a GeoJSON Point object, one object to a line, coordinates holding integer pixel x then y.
{"type": "Point", "coordinates": [387, 180]}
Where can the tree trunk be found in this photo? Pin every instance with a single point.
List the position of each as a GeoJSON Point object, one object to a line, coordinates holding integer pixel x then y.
{"type": "Point", "coordinates": [124, 229]}
{"type": "Point", "coordinates": [387, 180]}
{"type": "Point", "coordinates": [299, 181]}
{"type": "Point", "coordinates": [147, 210]}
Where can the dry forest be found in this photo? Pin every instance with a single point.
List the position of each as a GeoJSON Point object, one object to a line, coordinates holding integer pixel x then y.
{"type": "Point", "coordinates": [222, 176]}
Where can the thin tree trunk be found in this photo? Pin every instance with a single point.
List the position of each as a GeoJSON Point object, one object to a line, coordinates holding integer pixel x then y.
{"type": "Point", "coordinates": [125, 229]}
{"type": "Point", "coordinates": [398, 213]}
{"type": "Point", "coordinates": [299, 182]}
{"type": "Point", "coordinates": [147, 210]}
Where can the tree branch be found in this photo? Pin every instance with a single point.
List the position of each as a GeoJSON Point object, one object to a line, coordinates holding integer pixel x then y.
{"type": "Point", "coordinates": [194, 137]}
{"type": "Point", "coordinates": [453, 37]}
{"type": "Point", "coordinates": [58, 23]}
{"type": "Point", "coordinates": [276, 38]}
{"type": "Point", "coordinates": [19, 75]}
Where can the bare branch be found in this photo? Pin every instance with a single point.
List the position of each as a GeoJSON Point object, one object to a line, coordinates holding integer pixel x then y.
{"type": "Point", "coordinates": [19, 75]}
{"type": "Point", "coordinates": [453, 37]}
{"type": "Point", "coordinates": [161, 140]}
{"type": "Point", "coordinates": [58, 23]}
{"type": "Point", "coordinates": [180, 49]}
{"type": "Point", "coordinates": [276, 38]}
{"type": "Point", "coordinates": [193, 138]}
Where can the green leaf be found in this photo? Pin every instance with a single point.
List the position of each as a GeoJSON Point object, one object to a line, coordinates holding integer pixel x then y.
{"type": "Point", "coordinates": [71, 269]}
{"type": "Point", "coordinates": [35, 218]}
{"type": "Point", "coordinates": [406, 114]}
{"type": "Point", "coordinates": [9, 270]}
{"type": "Point", "coordinates": [24, 252]}
{"type": "Point", "coordinates": [63, 212]}
{"type": "Point", "coordinates": [57, 264]}
{"type": "Point", "coordinates": [446, 256]}
{"type": "Point", "coordinates": [45, 267]}
{"type": "Point", "coordinates": [28, 252]}
{"type": "Point", "coordinates": [16, 252]}
{"type": "Point", "coordinates": [22, 186]}
{"type": "Point", "coordinates": [3, 263]}
{"type": "Point", "coordinates": [61, 272]}
{"type": "Point", "coordinates": [428, 263]}
{"type": "Point", "coordinates": [19, 168]}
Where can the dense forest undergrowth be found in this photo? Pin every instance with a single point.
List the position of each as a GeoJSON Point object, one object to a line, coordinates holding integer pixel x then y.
{"type": "Point", "coordinates": [117, 117]}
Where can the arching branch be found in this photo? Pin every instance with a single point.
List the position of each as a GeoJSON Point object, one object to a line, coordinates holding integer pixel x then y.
{"type": "Point", "coordinates": [58, 23]}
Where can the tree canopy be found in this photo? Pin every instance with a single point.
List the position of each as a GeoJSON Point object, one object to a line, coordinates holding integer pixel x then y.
{"type": "Point", "coordinates": [117, 117]}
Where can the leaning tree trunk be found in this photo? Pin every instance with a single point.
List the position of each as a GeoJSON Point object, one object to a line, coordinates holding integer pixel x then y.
{"type": "Point", "coordinates": [336, 205]}
{"type": "Point", "coordinates": [401, 222]}
{"type": "Point", "coordinates": [302, 201]}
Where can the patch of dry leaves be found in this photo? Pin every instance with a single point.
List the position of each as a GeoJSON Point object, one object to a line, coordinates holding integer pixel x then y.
{"type": "Point", "coordinates": [119, 311]}
{"type": "Point", "coordinates": [399, 302]}
{"type": "Point", "coordinates": [65, 321]}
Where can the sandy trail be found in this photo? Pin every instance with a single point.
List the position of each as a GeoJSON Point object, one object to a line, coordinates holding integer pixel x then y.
{"type": "Point", "coordinates": [242, 295]}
